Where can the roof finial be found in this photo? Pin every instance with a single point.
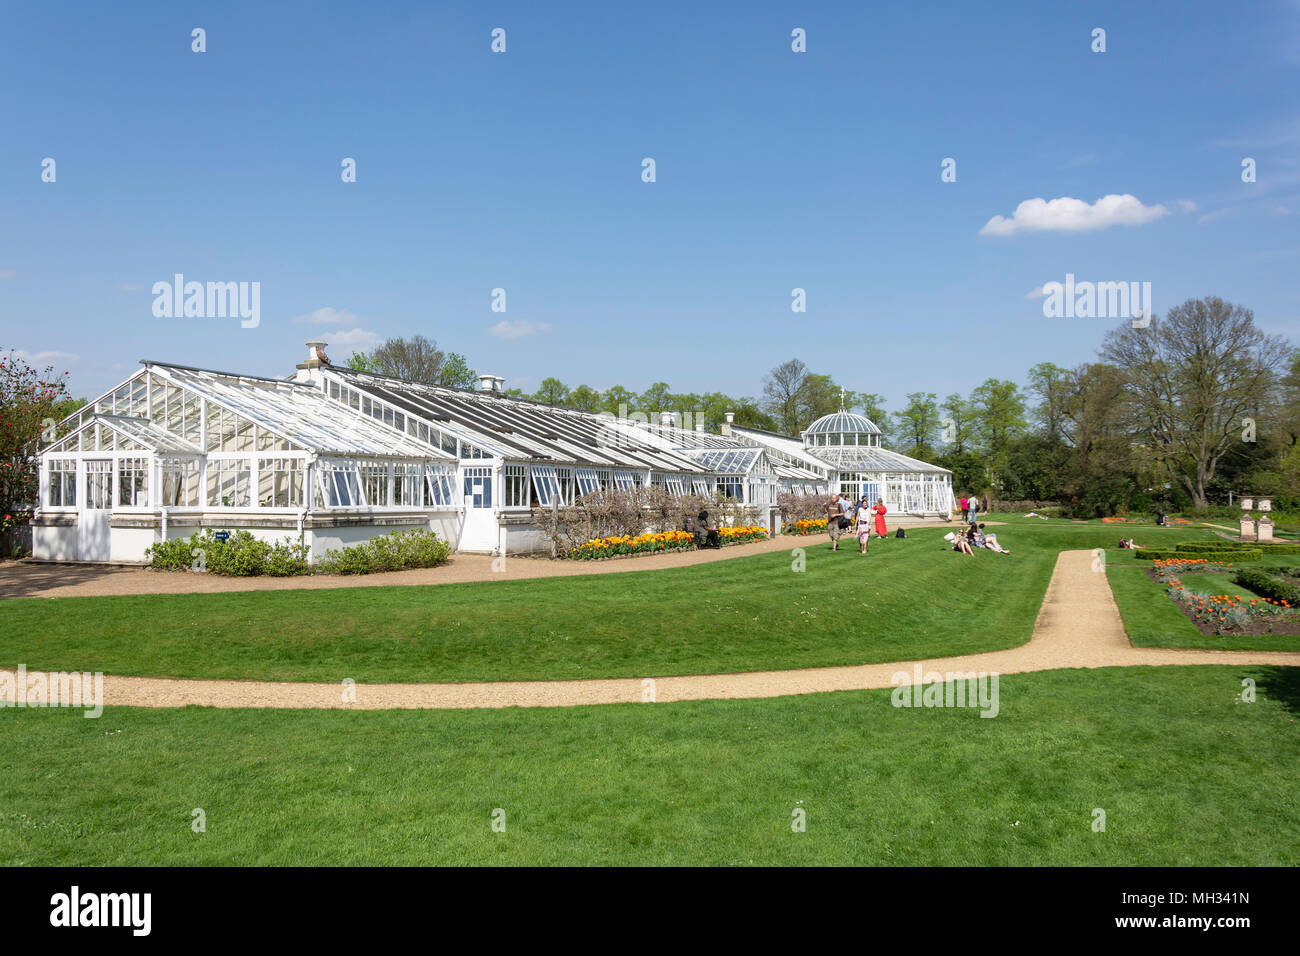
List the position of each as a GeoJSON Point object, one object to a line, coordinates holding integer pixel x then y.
{"type": "Point", "coordinates": [842, 408]}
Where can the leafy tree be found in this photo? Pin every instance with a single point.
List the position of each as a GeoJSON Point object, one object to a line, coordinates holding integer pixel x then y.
{"type": "Point", "coordinates": [917, 425]}
{"type": "Point", "coordinates": [585, 399]}
{"type": "Point", "coordinates": [999, 415]}
{"type": "Point", "coordinates": [616, 399]}
{"type": "Point", "coordinates": [1047, 383]}
{"type": "Point", "coordinates": [361, 362]}
{"type": "Point", "coordinates": [456, 373]}
{"type": "Point", "coordinates": [1191, 380]}
{"type": "Point", "coordinates": [552, 392]}
{"type": "Point", "coordinates": [956, 424]}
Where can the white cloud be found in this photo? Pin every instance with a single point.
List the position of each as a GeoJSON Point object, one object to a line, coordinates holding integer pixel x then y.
{"type": "Point", "coordinates": [515, 330]}
{"type": "Point", "coordinates": [34, 358]}
{"type": "Point", "coordinates": [360, 339]}
{"type": "Point", "coordinates": [1185, 205]}
{"type": "Point", "coordinates": [1037, 292]}
{"type": "Point", "coordinates": [328, 316]}
{"type": "Point", "coordinates": [8, 273]}
{"type": "Point", "coordinates": [1073, 215]}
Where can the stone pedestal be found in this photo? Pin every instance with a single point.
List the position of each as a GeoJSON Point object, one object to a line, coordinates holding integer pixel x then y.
{"type": "Point", "coordinates": [1247, 528]}
{"type": "Point", "coordinates": [1264, 529]}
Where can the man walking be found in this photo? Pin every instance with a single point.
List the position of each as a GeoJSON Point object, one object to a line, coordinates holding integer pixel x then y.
{"type": "Point", "coordinates": [974, 509]}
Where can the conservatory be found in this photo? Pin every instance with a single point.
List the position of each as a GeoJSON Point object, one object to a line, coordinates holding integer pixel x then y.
{"type": "Point", "coordinates": [848, 446]}
{"type": "Point", "coordinates": [175, 449]}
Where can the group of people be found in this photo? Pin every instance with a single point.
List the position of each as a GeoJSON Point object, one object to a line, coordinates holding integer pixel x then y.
{"type": "Point", "coordinates": [972, 537]}
{"type": "Point", "coordinates": [970, 509]}
{"type": "Point", "coordinates": [860, 519]}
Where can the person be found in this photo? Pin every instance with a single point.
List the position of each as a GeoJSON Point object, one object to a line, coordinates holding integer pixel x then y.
{"type": "Point", "coordinates": [1160, 518]}
{"type": "Point", "coordinates": [965, 507]}
{"type": "Point", "coordinates": [1129, 544]}
{"type": "Point", "coordinates": [879, 512]}
{"type": "Point", "coordinates": [834, 512]}
{"type": "Point", "coordinates": [862, 524]}
{"type": "Point", "coordinates": [974, 509]}
{"type": "Point", "coordinates": [705, 536]}
{"type": "Point", "coordinates": [990, 541]}
{"type": "Point", "coordinates": [960, 542]}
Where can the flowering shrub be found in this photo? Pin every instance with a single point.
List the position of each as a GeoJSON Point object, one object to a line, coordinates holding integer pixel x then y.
{"type": "Point", "coordinates": [30, 402]}
{"type": "Point", "coordinates": [1225, 611]}
{"type": "Point", "coordinates": [805, 526]}
{"type": "Point", "coordinates": [650, 542]}
{"type": "Point", "coordinates": [1167, 568]}
{"type": "Point", "coordinates": [796, 508]}
{"type": "Point", "coordinates": [629, 544]}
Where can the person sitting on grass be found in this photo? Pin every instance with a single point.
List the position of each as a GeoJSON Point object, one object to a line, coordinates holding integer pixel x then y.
{"type": "Point", "coordinates": [706, 536]}
{"type": "Point", "coordinates": [989, 540]}
{"type": "Point", "coordinates": [959, 542]}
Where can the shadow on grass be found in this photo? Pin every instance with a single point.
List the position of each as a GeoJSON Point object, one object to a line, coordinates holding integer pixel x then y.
{"type": "Point", "coordinates": [1281, 684]}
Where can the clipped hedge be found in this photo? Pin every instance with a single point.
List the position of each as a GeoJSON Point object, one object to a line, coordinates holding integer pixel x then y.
{"type": "Point", "coordinates": [1268, 586]}
{"type": "Point", "coordinates": [240, 555]}
{"type": "Point", "coordinates": [1274, 547]}
{"type": "Point", "coordinates": [395, 551]}
{"type": "Point", "coordinates": [1235, 556]}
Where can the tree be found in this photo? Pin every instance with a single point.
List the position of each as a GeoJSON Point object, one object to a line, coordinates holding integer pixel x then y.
{"type": "Point", "coordinates": [456, 373]}
{"type": "Point", "coordinates": [783, 394]}
{"type": "Point", "coordinates": [552, 392]}
{"type": "Point", "coordinates": [1047, 383]}
{"type": "Point", "coordinates": [617, 400]}
{"type": "Point", "coordinates": [1191, 380]}
{"type": "Point", "coordinates": [955, 426]}
{"type": "Point", "coordinates": [416, 359]}
{"type": "Point", "coordinates": [585, 399]}
{"type": "Point", "coordinates": [654, 400]}
{"type": "Point", "coordinates": [31, 403]}
{"type": "Point", "coordinates": [917, 425]}
{"type": "Point", "coordinates": [999, 415]}
{"type": "Point", "coordinates": [361, 362]}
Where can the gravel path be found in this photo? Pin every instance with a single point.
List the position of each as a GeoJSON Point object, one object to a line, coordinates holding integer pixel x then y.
{"type": "Point", "coordinates": [28, 579]}
{"type": "Point", "coordinates": [1078, 626]}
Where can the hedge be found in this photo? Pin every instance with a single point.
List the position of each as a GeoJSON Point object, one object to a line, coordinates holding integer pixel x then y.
{"type": "Point", "coordinates": [238, 555]}
{"type": "Point", "coordinates": [1277, 547]}
{"type": "Point", "coordinates": [1267, 586]}
{"type": "Point", "coordinates": [1235, 556]}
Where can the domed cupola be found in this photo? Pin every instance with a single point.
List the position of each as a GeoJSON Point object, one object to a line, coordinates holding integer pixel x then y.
{"type": "Point", "coordinates": [841, 429]}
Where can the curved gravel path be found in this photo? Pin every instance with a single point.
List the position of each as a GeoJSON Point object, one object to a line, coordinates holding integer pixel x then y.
{"type": "Point", "coordinates": [1078, 626]}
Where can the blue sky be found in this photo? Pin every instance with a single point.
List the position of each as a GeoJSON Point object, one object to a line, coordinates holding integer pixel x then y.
{"type": "Point", "coordinates": [522, 170]}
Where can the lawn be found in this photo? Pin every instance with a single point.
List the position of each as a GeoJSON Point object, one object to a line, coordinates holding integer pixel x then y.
{"type": "Point", "coordinates": [907, 599]}
{"type": "Point", "coordinates": [1153, 620]}
{"type": "Point", "coordinates": [1186, 774]}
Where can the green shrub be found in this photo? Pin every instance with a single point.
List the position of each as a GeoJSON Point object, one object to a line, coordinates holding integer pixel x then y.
{"type": "Point", "coordinates": [1273, 547]}
{"type": "Point", "coordinates": [1268, 586]}
{"type": "Point", "coordinates": [240, 555]}
{"type": "Point", "coordinates": [395, 551]}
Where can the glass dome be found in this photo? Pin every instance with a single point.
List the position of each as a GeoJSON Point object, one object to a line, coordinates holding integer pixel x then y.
{"type": "Point", "coordinates": [842, 429]}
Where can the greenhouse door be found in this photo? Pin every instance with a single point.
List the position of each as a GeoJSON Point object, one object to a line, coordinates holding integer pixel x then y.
{"type": "Point", "coordinates": [478, 530]}
{"type": "Point", "coordinates": [92, 522]}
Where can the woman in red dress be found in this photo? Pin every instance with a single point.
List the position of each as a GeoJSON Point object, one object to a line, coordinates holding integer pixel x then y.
{"type": "Point", "coordinates": [879, 512]}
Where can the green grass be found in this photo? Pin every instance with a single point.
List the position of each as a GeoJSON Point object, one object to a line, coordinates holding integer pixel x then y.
{"type": "Point", "coordinates": [1186, 774]}
{"type": "Point", "coordinates": [1153, 620]}
{"type": "Point", "coordinates": [906, 599]}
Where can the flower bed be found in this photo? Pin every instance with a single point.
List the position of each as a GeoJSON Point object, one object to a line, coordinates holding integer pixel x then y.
{"type": "Point", "coordinates": [653, 543]}
{"type": "Point", "coordinates": [1167, 568]}
{"type": "Point", "coordinates": [1233, 615]}
{"type": "Point", "coordinates": [807, 526]}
